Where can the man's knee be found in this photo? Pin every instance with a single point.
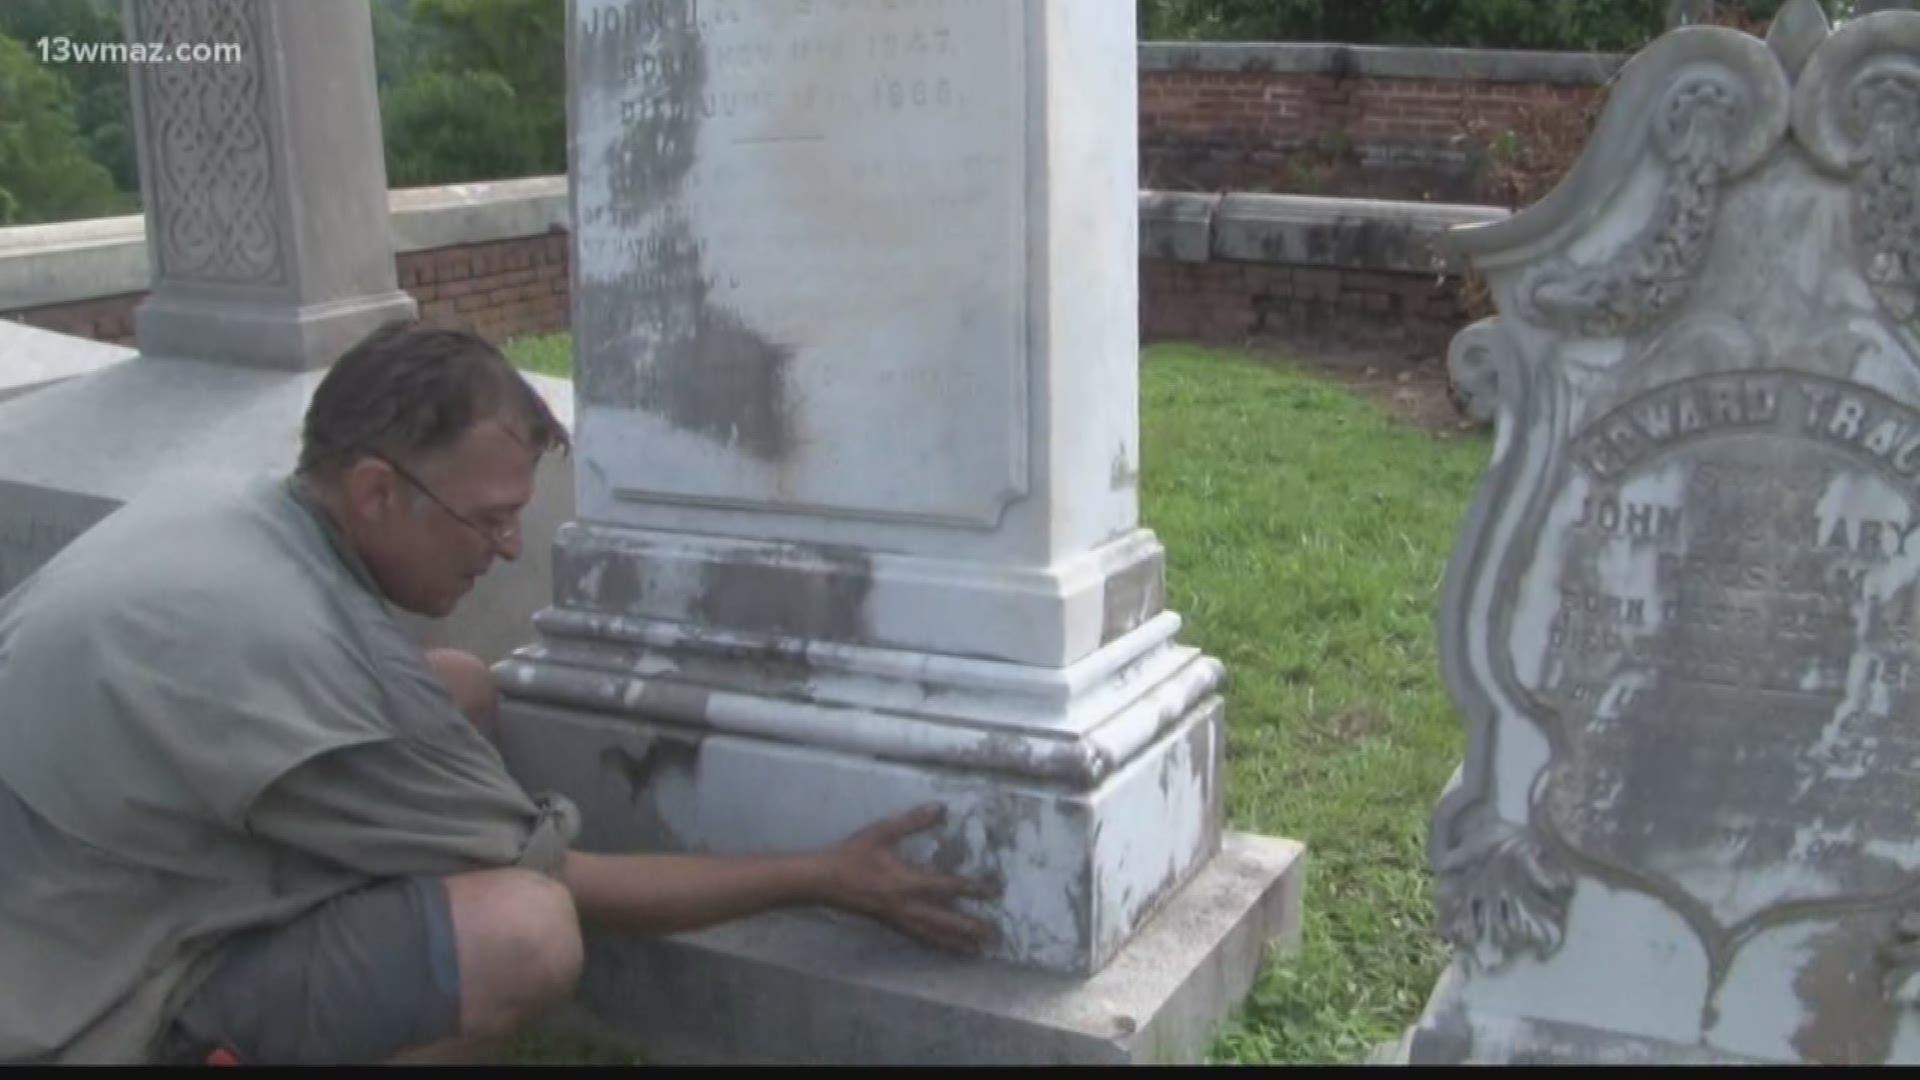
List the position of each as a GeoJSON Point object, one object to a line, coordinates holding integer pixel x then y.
{"type": "Point", "coordinates": [547, 932]}
{"type": "Point", "coordinates": [518, 938]}
{"type": "Point", "coordinates": [471, 684]}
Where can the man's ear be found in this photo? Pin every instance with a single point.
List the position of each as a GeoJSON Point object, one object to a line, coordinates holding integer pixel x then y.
{"type": "Point", "coordinates": [371, 489]}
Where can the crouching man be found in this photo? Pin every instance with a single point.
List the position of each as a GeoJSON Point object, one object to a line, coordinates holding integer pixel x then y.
{"type": "Point", "coordinates": [244, 816]}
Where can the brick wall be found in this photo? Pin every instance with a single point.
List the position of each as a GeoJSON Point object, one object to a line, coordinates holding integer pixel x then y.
{"type": "Point", "coordinates": [509, 288]}
{"type": "Point", "coordinates": [1350, 122]}
{"type": "Point", "coordinates": [104, 318]}
{"type": "Point", "coordinates": [1303, 271]}
{"type": "Point", "coordinates": [1323, 120]}
{"type": "Point", "coordinates": [1223, 302]}
{"type": "Point", "coordinates": [500, 289]}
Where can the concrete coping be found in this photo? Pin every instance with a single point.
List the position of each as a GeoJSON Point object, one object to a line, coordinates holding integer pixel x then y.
{"type": "Point", "coordinates": [1306, 230]}
{"type": "Point", "coordinates": [1382, 62]}
{"type": "Point", "coordinates": [83, 260]}
{"type": "Point", "coordinates": [68, 261]}
{"type": "Point", "coordinates": [436, 217]}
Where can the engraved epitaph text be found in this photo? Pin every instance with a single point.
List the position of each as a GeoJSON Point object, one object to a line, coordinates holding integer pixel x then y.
{"type": "Point", "coordinates": [802, 241]}
{"type": "Point", "coordinates": [1682, 624]}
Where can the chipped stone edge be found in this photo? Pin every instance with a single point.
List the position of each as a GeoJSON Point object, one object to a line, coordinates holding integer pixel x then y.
{"type": "Point", "coordinates": [1062, 730]}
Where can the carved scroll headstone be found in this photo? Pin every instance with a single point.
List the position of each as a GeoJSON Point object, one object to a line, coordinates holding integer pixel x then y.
{"type": "Point", "coordinates": [1681, 622]}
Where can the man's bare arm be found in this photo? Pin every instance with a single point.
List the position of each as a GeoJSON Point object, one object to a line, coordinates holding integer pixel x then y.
{"type": "Point", "coordinates": [665, 894]}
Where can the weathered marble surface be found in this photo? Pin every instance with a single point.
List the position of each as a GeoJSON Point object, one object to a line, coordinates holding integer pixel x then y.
{"type": "Point", "coordinates": [858, 461]}
{"type": "Point", "coordinates": [1680, 624]}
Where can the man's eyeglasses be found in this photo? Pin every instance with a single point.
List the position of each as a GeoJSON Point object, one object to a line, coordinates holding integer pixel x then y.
{"type": "Point", "coordinates": [497, 536]}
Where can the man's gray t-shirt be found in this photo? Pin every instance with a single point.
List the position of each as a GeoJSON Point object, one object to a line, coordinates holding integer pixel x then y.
{"type": "Point", "coordinates": [210, 721]}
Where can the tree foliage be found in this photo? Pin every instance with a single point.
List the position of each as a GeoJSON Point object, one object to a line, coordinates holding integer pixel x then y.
{"type": "Point", "coordinates": [476, 89]}
{"type": "Point", "coordinates": [46, 173]}
{"type": "Point", "coordinates": [472, 89]}
{"type": "Point", "coordinates": [446, 127]}
{"type": "Point", "coordinates": [1578, 25]}
{"type": "Point", "coordinates": [100, 96]}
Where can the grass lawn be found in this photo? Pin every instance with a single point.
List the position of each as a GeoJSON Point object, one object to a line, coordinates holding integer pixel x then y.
{"type": "Point", "coordinates": [1305, 536]}
{"type": "Point", "coordinates": [549, 354]}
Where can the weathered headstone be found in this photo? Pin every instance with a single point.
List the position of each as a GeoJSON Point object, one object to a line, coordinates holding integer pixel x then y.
{"type": "Point", "coordinates": [1681, 622]}
{"type": "Point", "coordinates": [267, 226]}
{"type": "Point", "coordinates": [855, 308]}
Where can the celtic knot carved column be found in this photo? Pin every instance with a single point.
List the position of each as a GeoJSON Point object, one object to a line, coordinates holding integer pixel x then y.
{"type": "Point", "coordinates": [264, 182]}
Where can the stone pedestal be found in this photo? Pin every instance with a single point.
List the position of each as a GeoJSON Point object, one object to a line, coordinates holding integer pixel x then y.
{"type": "Point", "coordinates": [789, 989]}
{"type": "Point", "coordinates": [1679, 624]}
{"type": "Point", "coordinates": [855, 305]}
{"type": "Point", "coordinates": [264, 183]}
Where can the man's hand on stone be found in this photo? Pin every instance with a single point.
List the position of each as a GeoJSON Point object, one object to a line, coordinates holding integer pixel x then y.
{"type": "Point", "coordinates": [868, 877]}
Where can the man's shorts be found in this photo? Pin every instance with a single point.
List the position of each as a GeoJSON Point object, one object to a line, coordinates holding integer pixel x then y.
{"type": "Point", "coordinates": [356, 980]}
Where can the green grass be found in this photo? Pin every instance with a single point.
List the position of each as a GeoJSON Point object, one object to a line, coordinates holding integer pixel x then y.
{"type": "Point", "coordinates": [548, 354]}
{"type": "Point", "coordinates": [1305, 537]}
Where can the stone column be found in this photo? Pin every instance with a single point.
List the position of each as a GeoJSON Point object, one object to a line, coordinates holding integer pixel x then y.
{"type": "Point", "coordinates": [858, 455]}
{"type": "Point", "coordinates": [265, 188]}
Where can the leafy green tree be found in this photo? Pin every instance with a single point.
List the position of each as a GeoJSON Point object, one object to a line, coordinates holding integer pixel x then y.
{"type": "Point", "coordinates": [483, 96]}
{"type": "Point", "coordinates": [446, 127]}
{"type": "Point", "coordinates": [1579, 25]}
{"type": "Point", "coordinates": [102, 106]}
{"type": "Point", "coordinates": [1533, 24]}
{"type": "Point", "coordinates": [394, 35]}
{"type": "Point", "coordinates": [45, 171]}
